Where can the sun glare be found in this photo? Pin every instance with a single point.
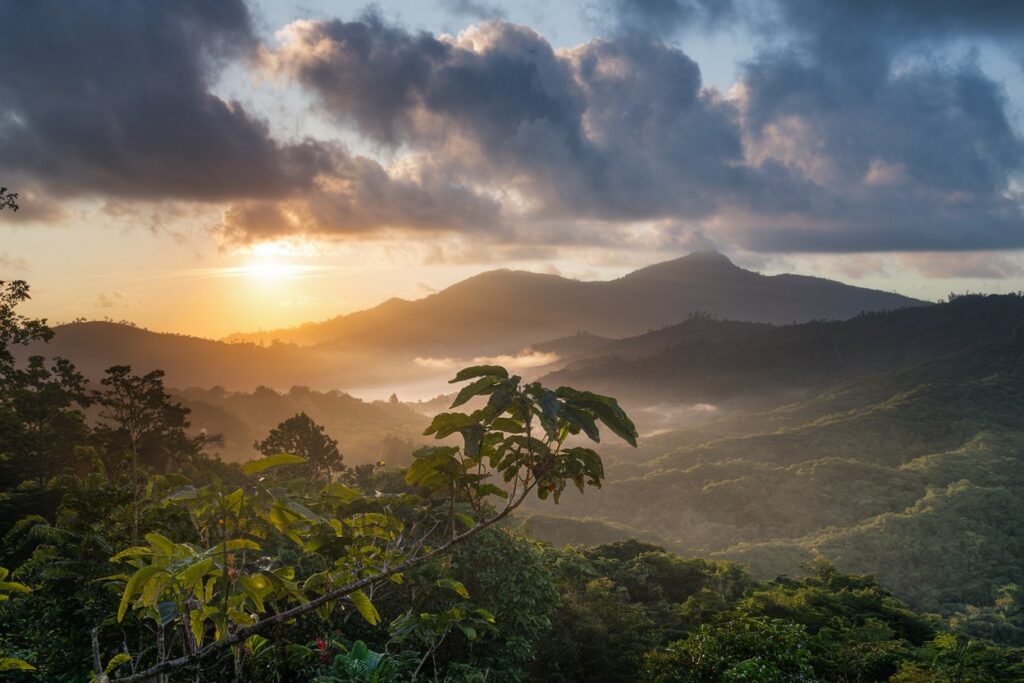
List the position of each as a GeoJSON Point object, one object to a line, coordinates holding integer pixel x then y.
{"type": "Point", "coordinates": [273, 261]}
{"type": "Point", "coordinates": [271, 270]}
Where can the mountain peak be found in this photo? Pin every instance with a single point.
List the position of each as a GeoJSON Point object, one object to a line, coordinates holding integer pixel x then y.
{"type": "Point", "coordinates": [709, 256]}
{"type": "Point", "coordinates": [702, 263]}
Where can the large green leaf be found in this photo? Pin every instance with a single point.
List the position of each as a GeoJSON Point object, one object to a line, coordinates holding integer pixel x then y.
{"type": "Point", "coordinates": [483, 385]}
{"type": "Point", "coordinates": [161, 543]}
{"type": "Point", "coordinates": [365, 607]}
{"type": "Point", "coordinates": [134, 585]}
{"type": "Point", "coordinates": [445, 424]}
{"type": "Point", "coordinates": [187, 577]}
{"type": "Point", "coordinates": [261, 464]}
{"type": "Point", "coordinates": [479, 371]}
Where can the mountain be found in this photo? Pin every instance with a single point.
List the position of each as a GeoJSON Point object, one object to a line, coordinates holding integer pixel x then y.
{"type": "Point", "coordinates": [188, 361]}
{"type": "Point", "coordinates": [410, 345]}
{"type": "Point", "coordinates": [892, 443]}
{"type": "Point", "coordinates": [502, 311]}
{"type": "Point", "coordinates": [309, 334]}
{"type": "Point", "coordinates": [710, 361]}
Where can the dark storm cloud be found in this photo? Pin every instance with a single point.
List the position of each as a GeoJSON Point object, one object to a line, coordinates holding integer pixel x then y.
{"type": "Point", "coordinates": [617, 129]}
{"type": "Point", "coordinates": [114, 98]}
{"type": "Point", "coordinates": [909, 151]}
{"type": "Point", "coordinates": [921, 18]}
{"type": "Point", "coordinates": [902, 146]}
{"type": "Point", "coordinates": [852, 128]}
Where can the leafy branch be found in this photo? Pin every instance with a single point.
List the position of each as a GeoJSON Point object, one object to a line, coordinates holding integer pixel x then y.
{"type": "Point", "coordinates": [520, 433]}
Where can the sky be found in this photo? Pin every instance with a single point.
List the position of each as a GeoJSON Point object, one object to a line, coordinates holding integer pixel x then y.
{"type": "Point", "coordinates": [206, 168]}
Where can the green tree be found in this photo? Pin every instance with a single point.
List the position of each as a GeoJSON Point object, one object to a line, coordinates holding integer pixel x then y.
{"type": "Point", "coordinates": [17, 329]}
{"type": "Point", "coordinates": [42, 420]}
{"type": "Point", "coordinates": [301, 436]}
{"type": "Point", "coordinates": [223, 588]}
{"type": "Point", "coordinates": [751, 649]}
{"type": "Point", "coordinates": [141, 421]}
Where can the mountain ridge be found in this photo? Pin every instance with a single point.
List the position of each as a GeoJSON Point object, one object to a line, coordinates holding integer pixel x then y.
{"type": "Point", "coordinates": [403, 344]}
{"type": "Point", "coordinates": [651, 297]}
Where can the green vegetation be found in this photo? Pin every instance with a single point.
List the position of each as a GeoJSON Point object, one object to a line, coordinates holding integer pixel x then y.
{"type": "Point", "coordinates": [132, 554]}
{"type": "Point", "coordinates": [890, 443]}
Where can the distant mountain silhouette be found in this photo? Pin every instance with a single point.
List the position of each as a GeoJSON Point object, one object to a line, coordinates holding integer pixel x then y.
{"type": "Point", "coordinates": [703, 360]}
{"type": "Point", "coordinates": [504, 310]}
{"type": "Point", "coordinates": [497, 312]}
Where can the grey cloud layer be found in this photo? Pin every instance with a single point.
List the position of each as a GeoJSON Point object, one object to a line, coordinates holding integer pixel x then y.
{"type": "Point", "coordinates": [114, 99]}
{"type": "Point", "coordinates": [826, 145]}
{"type": "Point", "coordinates": [850, 133]}
{"type": "Point", "coordinates": [617, 130]}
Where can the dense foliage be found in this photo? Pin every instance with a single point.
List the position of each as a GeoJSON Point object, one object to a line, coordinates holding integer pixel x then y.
{"type": "Point", "coordinates": [890, 443]}
{"type": "Point", "coordinates": [129, 553]}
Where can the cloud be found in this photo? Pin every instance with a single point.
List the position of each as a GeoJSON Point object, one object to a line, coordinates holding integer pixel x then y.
{"type": "Point", "coordinates": [901, 153]}
{"type": "Point", "coordinates": [114, 99]}
{"type": "Point", "coordinates": [814, 150]}
{"type": "Point", "coordinates": [616, 129]}
{"type": "Point", "coordinates": [358, 197]}
{"type": "Point", "coordinates": [853, 128]}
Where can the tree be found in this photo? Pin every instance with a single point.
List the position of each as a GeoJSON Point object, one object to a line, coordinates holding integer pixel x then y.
{"type": "Point", "coordinates": [143, 423]}
{"type": "Point", "coordinates": [301, 436]}
{"type": "Point", "coordinates": [42, 421]}
{"type": "Point", "coordinates": [740, 649]}
{"type": "Point", "coordinates": [8, 200]}
{"type": "Point", "coordinates": [24, 392]}
{"type": "Point", "coordinates": [226, 590]}
{"type": "Point", "coordinates": [17, 329]}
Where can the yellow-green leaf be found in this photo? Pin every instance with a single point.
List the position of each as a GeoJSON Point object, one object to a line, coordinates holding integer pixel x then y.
{"type": "Point", "coordinates": [453, 585]}
{"type": "Point", "coordinates": [135, 584]}
{"type": "Point", "coordinates": [12, 664]}
{"type": "Point", "coordinates": [116, 661]}
{"type": "Point", "coordinates": [134, 551]}
{"type": "Point", "coordinates": [365, 607]}
{"type": "Point", "coordinates": [189, 575]}
{"type": "Point", "coordinates": [256, 466]}
{"type": "Point", "coordinates": [161, 543]}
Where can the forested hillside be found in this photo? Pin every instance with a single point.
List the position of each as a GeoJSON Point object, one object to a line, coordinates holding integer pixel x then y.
{"type": "Point", "coordinates": [130, 553]}
{"type": "Point", "coordinates": [371, 431]}
{"type": "Point", "coordinates": [891, 443]}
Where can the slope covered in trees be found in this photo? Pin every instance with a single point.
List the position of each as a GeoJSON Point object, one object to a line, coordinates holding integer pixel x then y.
{"type": "Point", "coordinates": [137, 556]}
{"type": "Point", "coordinates": [891, 443]}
